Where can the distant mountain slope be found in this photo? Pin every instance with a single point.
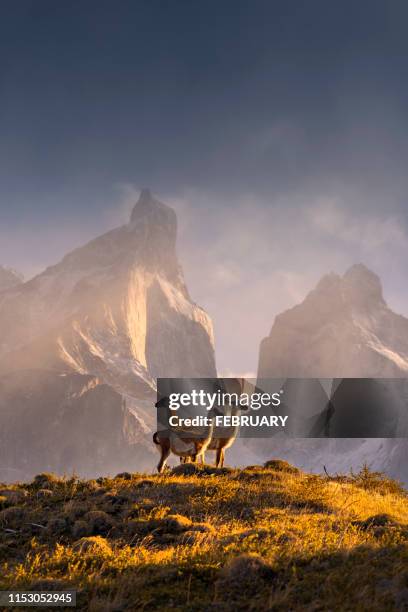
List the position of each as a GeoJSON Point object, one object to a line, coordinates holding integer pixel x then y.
{"type": "Point", "coordinates": [9, 278]}
{"type": "Point", "coordinates": [116, 309]}
{"type": "Point", "coordinates": [65, 422]}
{"type": "Point", "coordinates": [342, 329]}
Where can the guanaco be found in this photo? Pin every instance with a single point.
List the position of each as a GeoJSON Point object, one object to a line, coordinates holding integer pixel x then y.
{"type": "Point", "coordinates": [217, 439]}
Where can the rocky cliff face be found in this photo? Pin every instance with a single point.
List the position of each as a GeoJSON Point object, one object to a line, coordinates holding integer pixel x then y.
{"type": "Point", "coordinates": [64, 423]}
{"type": "Point", "coordinates": [343, 329]}
{"type": "Point", "coordinates": [116, 309]}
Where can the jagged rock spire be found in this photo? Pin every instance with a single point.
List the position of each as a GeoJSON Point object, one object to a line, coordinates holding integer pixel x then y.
{"type": "Point", "coordinates": [154, 226]}
{"type": "Point", "coordinates": [149, 207]}
{"type": "Point", "coordinates": [358, 287]}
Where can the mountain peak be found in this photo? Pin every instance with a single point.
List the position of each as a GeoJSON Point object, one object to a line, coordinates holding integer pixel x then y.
{"type": "Point", "coordinates": [146, 193]}
{"type": "Point", "coordinates": [155, 224]}
{"type": "Point", "coordinates": [362, 285]}
{"type": "Point", "coordinates": [149, 207]}
{"type": "Point", "coordinates": [343, 328]}
{"type": "Point", "coordinates": [146, 199]}
{"type": "Point", "coordinates": [359, 287]}
{"type": "Point", "coordinates": [328, 282]}
{"type": "Point", "coordinates": [360, 271]}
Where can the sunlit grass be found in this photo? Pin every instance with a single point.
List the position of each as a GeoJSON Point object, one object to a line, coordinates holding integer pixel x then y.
{"type": "Point", "coordinates": [168, 542]}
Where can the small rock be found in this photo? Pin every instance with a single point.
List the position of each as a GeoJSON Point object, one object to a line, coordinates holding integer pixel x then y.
{"type": "Point", "coordinates": [190, 469]}
{"type": "Point", "coordinates": [186, 469]}
{"type": "Point", "coordinates": [113, 503]}
{"type": "Point", "coordinates": [175, 523]}
{"type": "Point", "coordinates": [56, 526]}
{"type": "Point", "coordinates": [99, 522]}
{"type": "Point", "coordinates": [75, 510]}
{"type": "Point", "coordinates": [81, 529]}
{"type": "Point", "coordinates": [12, 517]}
{"type": "Point", "coordinates": [145, 483]}
{"type": "Point", "coordinates": [280, 465]}
{"type": "Point", "coordinates": [124, 475]}
{"type": "Point", "coordinates": [45, 480]}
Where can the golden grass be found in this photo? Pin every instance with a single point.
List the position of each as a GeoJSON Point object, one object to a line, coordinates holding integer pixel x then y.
{"type": "Point", "coordinates": [263, 538]}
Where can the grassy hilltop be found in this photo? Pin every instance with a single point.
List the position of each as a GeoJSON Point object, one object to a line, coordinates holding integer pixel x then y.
{"type": "Point", "coordinates": [261, 538]}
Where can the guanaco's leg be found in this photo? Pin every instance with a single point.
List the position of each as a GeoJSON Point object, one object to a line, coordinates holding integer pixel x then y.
{"type": "Point", "coordinates": [218, 457]}
{"type": "Point", "coordinates": [165, 452]}
{"type": "Point", "coordinates": [199, 453]}
{"type": "Point", "coordinates": [222, 457]}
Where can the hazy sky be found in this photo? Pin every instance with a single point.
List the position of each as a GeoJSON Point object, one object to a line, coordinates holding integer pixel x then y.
{"type": "Point", "coordinates": [277, 129]}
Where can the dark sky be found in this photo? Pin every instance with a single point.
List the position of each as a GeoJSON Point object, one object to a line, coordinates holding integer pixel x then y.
{"type": "Point", "coordinates": [287, 118]}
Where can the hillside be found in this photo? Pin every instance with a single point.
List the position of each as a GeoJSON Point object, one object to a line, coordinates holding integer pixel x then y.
{"type": "Point", "coordinates": [261, 538]}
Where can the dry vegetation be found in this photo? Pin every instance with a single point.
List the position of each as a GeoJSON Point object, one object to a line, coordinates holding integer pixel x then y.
{"type": "Point", "coordinates": [262, 538]}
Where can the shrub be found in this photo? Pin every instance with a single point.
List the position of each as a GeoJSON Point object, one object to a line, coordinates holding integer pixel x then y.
{"type": "Point", "coordinates": [95, 545]}
{"type": "Point", "coordinates": [376, 481]}
{"type": "Point", "coordinates": [281, 466]}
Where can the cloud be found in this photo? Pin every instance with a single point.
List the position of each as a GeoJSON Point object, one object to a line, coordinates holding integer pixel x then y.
{"type": "Point", "coordinates": [246, 258]}
{"type": "Point", "coordinates": [369, 232]}
{"type": "Point", "coordinates": [125, 197]}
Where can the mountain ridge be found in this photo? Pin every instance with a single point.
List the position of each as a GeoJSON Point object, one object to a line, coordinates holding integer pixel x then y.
{"type": "Point", "coordinates": [363, 337]}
